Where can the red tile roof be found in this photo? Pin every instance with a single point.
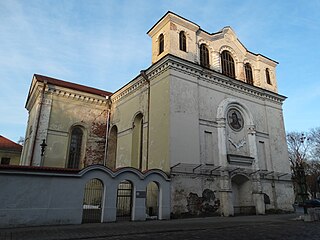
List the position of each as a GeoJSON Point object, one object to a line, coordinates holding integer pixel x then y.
{"type": "Point", "coordinates": [7, 144]}
{"type": "Point", "coordinates": [70, 85]}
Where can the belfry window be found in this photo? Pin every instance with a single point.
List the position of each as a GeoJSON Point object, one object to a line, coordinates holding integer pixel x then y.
{"type": "Point", "coordinates": [248, 71]}
{"type": "Point", "coordinates": [182, 41]}
{"type": "Point", "coordinates": [161, 43]}
{"type": "Point", "coordinates": [227, 63]}
{"type": "Point", "coordinates": [268, 76]}
{"type": "Point", "coordinates": [75, 148]}
{"type": "Point", "coordinates": [204, 56]}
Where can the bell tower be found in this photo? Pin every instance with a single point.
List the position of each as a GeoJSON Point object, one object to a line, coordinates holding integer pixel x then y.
{"type": "Point", "coordinates": [174, 35]}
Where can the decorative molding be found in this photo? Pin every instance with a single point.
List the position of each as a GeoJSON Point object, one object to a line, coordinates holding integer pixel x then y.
{"type": "Point", "coordinates": [76, 96]}
{"type": "Point", "coordinates": [209, 76]}
{"type": "Point", "coordinates": [240, 160]}
{"type": "Point", "coordinates": [238, 145]}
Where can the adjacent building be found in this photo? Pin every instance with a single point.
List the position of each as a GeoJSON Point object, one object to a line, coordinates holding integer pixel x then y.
{"type": "Point", "coordinates": [10, 152]}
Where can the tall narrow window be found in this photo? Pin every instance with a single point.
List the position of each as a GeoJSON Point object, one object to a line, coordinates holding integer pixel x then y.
{"type": "Point", "coordinates": [161, 43]}
{"type": "Point", "coordinates": [112, 147]}
{"type": "Point", "coordinates": [183, 41]}
{"type": "Point", "coordinates": [227, 63]}
{"type": "Point", "coordinates": [75, 148]}
{"type": "Point", "coordinates": [204, 56]}
{"type": "Point", "coordinates": [137, 142]}
{"type": "Point", "coordinates": [268, 76]}
{"type": "Point", "coordinates": [248, 70]}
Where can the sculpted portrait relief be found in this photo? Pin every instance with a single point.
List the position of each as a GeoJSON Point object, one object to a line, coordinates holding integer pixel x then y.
{"type": "Point", "coordinates": [235, 119]}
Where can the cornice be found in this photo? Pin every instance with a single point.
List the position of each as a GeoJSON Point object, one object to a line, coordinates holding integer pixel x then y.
{"type": "Point", "coordinates": [204, 75]}
{"type": "Point", "coordinates": [216, 78]}
{"type": "Point", "coordinates": [76, 95]}
{"type": "Point", "coordinates": [131, 87]}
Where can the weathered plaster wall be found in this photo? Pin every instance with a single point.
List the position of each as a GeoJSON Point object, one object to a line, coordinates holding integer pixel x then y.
{"type": "Point", "coordinates": [188, 195]}
{"type": "Point", "coordinates": [66, 113]}
{"type": "Point", "coordinates": [60, 109]}
{"type": "Point", "coordinates": [184, 119]}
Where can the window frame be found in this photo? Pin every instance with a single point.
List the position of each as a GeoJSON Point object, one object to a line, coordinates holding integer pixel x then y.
{"type": "Point", "coordinates": [268, 79]}
{"type": "Point", "coordinates": [248, 73]}
{"type": "Point", "coordinates": [204, 56]}
{"type": "Point", "coordinates": [227, 64]}
{"type": "Point", "coordinates": [75, 138]}
{"type": "Point", "coordinates": [161, 43]}
{"type": "Point", "coordinates": [182, 41]}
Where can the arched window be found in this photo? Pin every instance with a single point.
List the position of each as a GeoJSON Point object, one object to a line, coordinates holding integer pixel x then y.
{"type": "Point", "coordinates": [182, 41]}
{"type": "Point", "coordinates": [227, 63]}
{"type": "Point", "coordinates": [161, 43]}
{"type": "Point", "coordinates": [137, 142]}
{"type": "Point", "coordinates": [249, 76]}
{"type": "Point", "coordinates": [75, 148]}
{"type": "Point", "coordinates": [268, 76]}
{"type": "Point", "coordinates": [112, 147]}
{"type": "Point", "coordinates": [204, 56]}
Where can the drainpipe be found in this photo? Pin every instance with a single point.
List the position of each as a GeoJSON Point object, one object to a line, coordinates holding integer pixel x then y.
{"type": "Point", "coordinates": [37, 126]}
{"type": "Point", "coordinates": [107, 133]}
{"type": "Point", "coordinates": [145, 76]}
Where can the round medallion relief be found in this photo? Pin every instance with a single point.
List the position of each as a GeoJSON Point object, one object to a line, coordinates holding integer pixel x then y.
{"type": "Point", "coordinates": [235, 119]}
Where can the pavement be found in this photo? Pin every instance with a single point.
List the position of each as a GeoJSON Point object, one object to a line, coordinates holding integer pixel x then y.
{"type": "Point", "coordinates": [280, 226]}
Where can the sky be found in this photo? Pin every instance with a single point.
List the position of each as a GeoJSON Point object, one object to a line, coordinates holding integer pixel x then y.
{"type": "Point", "coordinates": [103, 44]}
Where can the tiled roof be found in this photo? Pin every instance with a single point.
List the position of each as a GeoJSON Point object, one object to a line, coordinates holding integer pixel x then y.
{"type": "Point", "coordinates": [70, 85]}
{"type": "Point", "coordinates": [7, 144]}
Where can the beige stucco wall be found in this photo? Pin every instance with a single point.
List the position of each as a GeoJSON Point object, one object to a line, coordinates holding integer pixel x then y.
{"type": "Point", "coordinates": [66, 113]}
{"type": "Point", "coordinates": [62, 109]}
{"type": "Point", "coordinates": [125, 108]}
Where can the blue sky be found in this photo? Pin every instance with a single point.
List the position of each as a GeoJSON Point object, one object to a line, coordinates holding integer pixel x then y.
{"type": "Point", "coordinates": [104, 44]}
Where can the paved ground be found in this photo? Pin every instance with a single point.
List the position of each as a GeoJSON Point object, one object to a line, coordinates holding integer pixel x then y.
{"type": "Point", "coordinates": [282, 227]}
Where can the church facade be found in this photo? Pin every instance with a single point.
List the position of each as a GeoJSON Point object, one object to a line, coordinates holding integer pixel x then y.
{"type": "Point", "coordinates": [206, 112]}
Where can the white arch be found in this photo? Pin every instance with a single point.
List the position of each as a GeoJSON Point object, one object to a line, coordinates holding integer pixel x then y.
{"type": "Point", "coordinates": [231, 50]}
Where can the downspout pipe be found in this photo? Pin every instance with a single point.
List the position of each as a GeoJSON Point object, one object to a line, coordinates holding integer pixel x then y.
{"type": "Point", "coordinates": [107, 133]}
{"type": "Point", "coordinates": [38, 122]}
{"type": "Point", "coordinates": [145, 77]}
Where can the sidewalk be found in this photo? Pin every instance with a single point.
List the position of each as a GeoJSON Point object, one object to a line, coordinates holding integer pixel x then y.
{"type": "Point", "coordinates": [134, 230]}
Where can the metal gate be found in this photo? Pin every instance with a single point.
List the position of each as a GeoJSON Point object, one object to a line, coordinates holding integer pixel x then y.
{"type": "Point", "coordinates": [92, 202]}
{"type": "Point", "coordinates": [124, 201]}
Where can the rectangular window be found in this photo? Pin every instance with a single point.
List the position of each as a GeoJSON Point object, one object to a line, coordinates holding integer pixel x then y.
{"type": "Point", "coordinates": [262, 156]}
{"type": "Point", "coordinates": [208, 147]}
{"type": "Point", "coordinates": [5, 161]}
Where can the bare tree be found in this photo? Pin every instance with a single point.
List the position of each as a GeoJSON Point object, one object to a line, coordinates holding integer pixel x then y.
{"type": "Point", "coordinates": [21, 141]}
{"type": "Point", "coordinates": [299, 144]}
{"type": "Point", "coordinates": [312, 177]}
{"type": "Point", "coordinates": [315, 134]}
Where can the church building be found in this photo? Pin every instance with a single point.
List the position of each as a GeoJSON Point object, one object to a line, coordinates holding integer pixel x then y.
{"type": "Point", "coordinates": [207, 112]}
